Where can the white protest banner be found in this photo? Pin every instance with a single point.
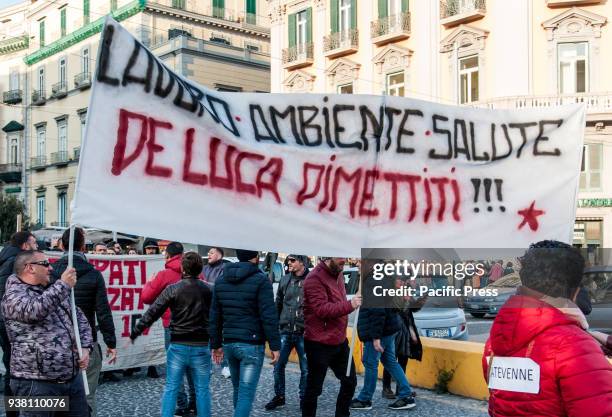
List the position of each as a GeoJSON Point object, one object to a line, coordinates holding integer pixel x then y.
{"type": "Point", "coordinates": [514, 374]}
{"type": "Point", "coordinates": [317, 174]}
{"type": "Point", "coordinates": [125, 276]}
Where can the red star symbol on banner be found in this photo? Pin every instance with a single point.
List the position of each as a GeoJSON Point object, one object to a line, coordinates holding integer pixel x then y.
{"type": "Point", "coordinates": [530, 217]}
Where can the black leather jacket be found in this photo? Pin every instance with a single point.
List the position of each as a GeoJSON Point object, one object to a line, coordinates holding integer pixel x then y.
{"type": "Point", "coordinates": [189, 302]}
{"type": "Point", "coordinates": [290, 303]}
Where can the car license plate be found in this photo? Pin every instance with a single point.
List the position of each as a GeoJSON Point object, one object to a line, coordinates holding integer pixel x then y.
{"type": "Point", "coordinates": [474, 306]}
{"type": "Point", "coordinates": [438, 332]}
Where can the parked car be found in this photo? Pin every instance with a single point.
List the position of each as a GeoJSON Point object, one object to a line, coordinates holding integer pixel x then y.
{"type": "Point", "coordinates": [439, 322]}
{"type": "Point", "coordinates": [598, 282]}
{"type": "Point", "coordinates": [479, 306]}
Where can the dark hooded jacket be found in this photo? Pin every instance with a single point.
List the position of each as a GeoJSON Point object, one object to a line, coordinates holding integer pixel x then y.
{"type": "Point", "coordinates": [90, 296]}
{"type": "Point", "coordinates": [7, 261]}
{"type": "Point", "coordinates": [212, 271]}
{"type": "Point", "coordinates": [243, 308]}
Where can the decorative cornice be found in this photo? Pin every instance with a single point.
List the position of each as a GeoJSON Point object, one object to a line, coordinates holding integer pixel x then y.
{"type": "Point", "coordinates": [85, 32]}
{"type": "Point", "coordinates": [15, 44]}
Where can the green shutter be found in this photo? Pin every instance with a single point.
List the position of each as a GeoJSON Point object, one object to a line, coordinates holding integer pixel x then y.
{"type": "Point", "coordinates": [219, 9]}
{"type": "Point", "coordinates": [309, 25]}
{"type": "Point", "coordinates": [113, 5]}
{"type": "Point", "coordinates": [382, 9]}
{"type": "Point", "coordinates": [335, 11]}
{"type": "Point", "coordinates": [405, 6]}
{"type": "Point", "coordinates": [292, 29]}
{"type": "Point", "coordinates": [353, 14]}
{"type": "Point", "coordinates": [85, 12]}
{"type": "Point", "coordinates": [251, 9]}
{"type": "Point", "coordinates": [63, 21]}
{"type": "Point", "coordinates": [41, 33]}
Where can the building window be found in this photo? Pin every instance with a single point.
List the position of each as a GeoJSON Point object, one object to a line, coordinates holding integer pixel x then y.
{"type": "Point", "coordinates": [113, 5]}
{"type": "Point", "coordinates": [573, 67]}
{"type": "Point", "coordinates": [62, 72]}
{"type": "Point", "coordinates": [63, 21]}
{"type": "Point", "coordinates": [219, 9]}
{"type": "Point", "coordinates": [468, 79]}
{"type": "Point", "coordinates": [395, 84]}
{"type": "Point", "coordinates": [85, 12]}
{"type": "Point", "coordinates": [62, 135]}
{"type": "Point", "coordinates": [395, 7]}
{"type": "Point", "coordinates": [590, 170]}
{"type": "Point", "coordinates": [83, 119]}
{"type": "Point", "coordinates": [41, 33]}
{"type": "Point", "coordinates": [251, 12]}
{"type": "Point", "coordinates": [85, 61]}
{"type": "Point", "coordinates": [41, 136]}
{"type": "Point", "coordinates": [41, 80]}
{"type": "Point", "coordinates": [40, 209]}
{"type": "Point", "coordinates": [14, 80]}
{"type": "Point", "coordinates": [345, 89]}
{"type": "Point", "coordinates": [13, 149]}
{"type": "Point", "coordinates": [61, 208]}
{"type": "Point", "coordinates": [344, 23]}
{"type": "Point", "coordinates": [178, 4]}
{"type": "Point", "coordinates": [301, 23]}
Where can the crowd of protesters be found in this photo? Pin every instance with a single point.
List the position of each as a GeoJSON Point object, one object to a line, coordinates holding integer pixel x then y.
{"type": "Point", "coordinates": [225, 313]}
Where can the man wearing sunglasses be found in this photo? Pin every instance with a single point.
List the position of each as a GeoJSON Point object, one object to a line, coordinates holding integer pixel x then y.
{"type": "Point", "coordinates": [44, 360]}
{"type": "Point", "coordinates": [290, 310]}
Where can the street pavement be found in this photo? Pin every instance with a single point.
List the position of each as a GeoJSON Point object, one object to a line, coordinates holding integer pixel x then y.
{"type": "Point", "coordinates": [479, 329]}
{"type": "Point", "coordinates": [140, 396]}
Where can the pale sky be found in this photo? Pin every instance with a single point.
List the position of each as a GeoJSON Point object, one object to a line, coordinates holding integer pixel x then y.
{"type": "Point", "coordinates": [6, 3]}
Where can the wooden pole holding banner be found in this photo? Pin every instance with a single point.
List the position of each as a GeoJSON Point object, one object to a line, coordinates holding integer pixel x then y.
{"type": "Point", "coordinates": [354, 331]}
{"type": "Point", "coordinates": [75, 322]}
{"type": "Point", "coordinates": [353, 335]}
{"type": "Point", "coordinates": [18, 228]}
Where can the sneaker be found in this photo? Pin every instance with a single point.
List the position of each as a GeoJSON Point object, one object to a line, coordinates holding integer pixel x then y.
{"type": "Point", "coordinates": [226, 372]}
{"type": "Point", "coordinates": [361, 405]}
{"type": "Point", "coordinates": [277, 402]}
{"type": "Point", "coordinates": [403, 404]}
{"type": "Point", "coordinates": [388, 393]}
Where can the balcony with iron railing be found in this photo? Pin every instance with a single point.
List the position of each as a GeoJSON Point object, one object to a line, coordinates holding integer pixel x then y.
{"type": "Point", "coordinates": [38, 97]}
{"type": "Point", "coordinates": [38, 162]}
{"type": "Point", "coordinates": [298, 56]}
{"type": "Point", "coordinates": [341, 43]}
{"type": "Point", "coordinates": [594, 102]}
{"type": "Point", "coordinates": [59, 158]}
{"type": "Point", "coordinates": [59, 90]}
{"type": "Point", "coordinates": [77, 153]}
{"type": "Point", "coordinates": [456, 12]}
{"type": "Point", "coordinates": [12, 96]}
{"type": "Point", "coordinates": [390, 28]}
{"type": "Point", "coordinates": [82, 80]}
{"type": "Point", "coordinates": [10, 173]}
{"type": "Point", "coordinates": [59, 224]}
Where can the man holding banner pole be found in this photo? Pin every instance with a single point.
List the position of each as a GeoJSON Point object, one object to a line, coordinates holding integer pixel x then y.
{"type": "Point", "coordinates": [50, 350]}
{"type": "Point", "coordinates": [92, 299]}
{"type": "Point", "coordinates": [326, 311]}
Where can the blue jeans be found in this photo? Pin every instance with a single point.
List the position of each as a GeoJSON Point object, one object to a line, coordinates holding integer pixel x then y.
{"type": "Point", "coordinates": [245, 362]}
{"type": "Point", "coordinates": [370, 362]}
{"type": "Point", "coordinates": [182, 402]}
{"type": "Point", "coordinates": [194, 360]}
{"type": "Point", "coordinates": [288, 342]}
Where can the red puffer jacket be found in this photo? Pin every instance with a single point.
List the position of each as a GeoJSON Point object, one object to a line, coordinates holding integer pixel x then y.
{"type": "Point", "coordinates": [575, 376]}
{"type": "Point", "coordinates": [171, 275]}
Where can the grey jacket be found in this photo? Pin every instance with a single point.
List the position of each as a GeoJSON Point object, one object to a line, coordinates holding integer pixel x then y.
{"type": "Point", "coordinates": [39, 326]}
